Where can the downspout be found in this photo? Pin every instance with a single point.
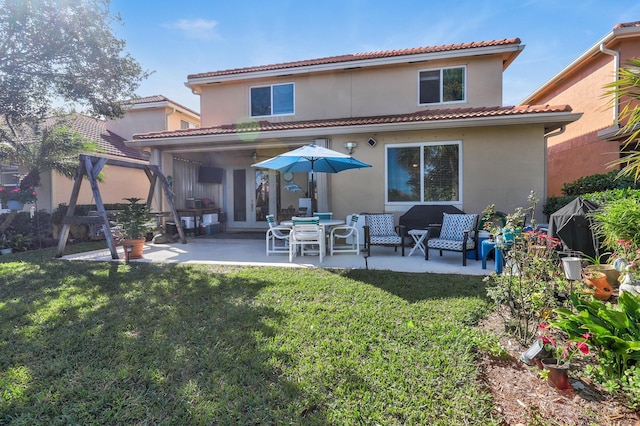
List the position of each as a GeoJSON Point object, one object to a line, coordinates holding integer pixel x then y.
{"type": "Point", "coordinates": [616, 67]}
{"type": "Point", "coordinates": [560, 131]}
{"type": "Point", "coordinates": [166, 124]}
{"type": "Point", "coordinates": [156, 160]}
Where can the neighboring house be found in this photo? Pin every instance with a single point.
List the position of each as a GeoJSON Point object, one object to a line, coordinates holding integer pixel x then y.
{"type": "Point", "coordinates": [587, 146]}
{"type": "Point", "coordinates": [429, 120]}
{"type": "Point", "coordinates": [155, 113]}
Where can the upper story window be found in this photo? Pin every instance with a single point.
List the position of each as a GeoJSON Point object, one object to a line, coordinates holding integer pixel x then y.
{"type": "Point", "coordinates": [442, 85]}
{"type": "Point", "coordinates": [424, 173]}
{"type": "Point", "coordinates": [186, 125]}
{"type": "Point", "coordinates": [272, 100]}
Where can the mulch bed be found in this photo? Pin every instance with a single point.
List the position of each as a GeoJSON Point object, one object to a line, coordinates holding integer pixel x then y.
{"type": "Point", "coordinates": [522, 397]}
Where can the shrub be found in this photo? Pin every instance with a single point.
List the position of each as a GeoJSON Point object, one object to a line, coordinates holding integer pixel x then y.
{"type": "Point", "coordinates": [554, 204]}
{"type": "Point", "coordinates": [618, 220]}
{"type": "Point", "coordinates": [604, 197]}
{"type": "Point", "coordinates": [598, 183]}
{"type": "Point", "coordinates": [614, 330]}
{"type": "Point", "coordinates": [526, 290]}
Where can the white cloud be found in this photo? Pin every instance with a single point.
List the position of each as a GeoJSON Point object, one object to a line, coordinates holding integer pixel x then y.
{"type": "Point", "coordinates": [196, 28]}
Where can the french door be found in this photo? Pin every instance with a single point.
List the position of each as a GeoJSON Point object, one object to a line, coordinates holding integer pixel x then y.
{"type": "Point", "coordinates": [252, 197]}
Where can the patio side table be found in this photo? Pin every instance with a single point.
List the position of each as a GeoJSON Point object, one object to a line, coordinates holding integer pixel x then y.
{"type": "Point", "coordinates": [418, 236]}
{"type": "Point", "coordinates": [486, 248]}
{"type": "Point", "coordinates": [489, 246]}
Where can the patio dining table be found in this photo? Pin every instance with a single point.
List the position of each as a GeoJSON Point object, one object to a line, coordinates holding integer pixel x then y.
{"type": "Point", "coordinates": [323, 222]}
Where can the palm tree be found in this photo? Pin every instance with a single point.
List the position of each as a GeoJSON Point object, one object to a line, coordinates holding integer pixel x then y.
{"type": "Point", "coordinates": [626, 90]}
{"type": "Point", "coordinates": [40, 148]}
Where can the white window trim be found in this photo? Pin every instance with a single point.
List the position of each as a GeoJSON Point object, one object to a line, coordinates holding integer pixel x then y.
{"type": "Point", "coordinates": [464, 100]}
{"type": "Point", "coordinates": [390, 204]}
{"type": "Point", "coordinates": [271, 87]}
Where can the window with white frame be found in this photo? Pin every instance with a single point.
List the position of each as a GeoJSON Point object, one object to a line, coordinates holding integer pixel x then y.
{"type": "Point", "coordinates": [442, 85]}
{"type": "Point", "coordinates": [276, 99]}
{"type": "Point", "coordinates": [186, 125]}
{"type": "Point", "coordinates": [424, 173]}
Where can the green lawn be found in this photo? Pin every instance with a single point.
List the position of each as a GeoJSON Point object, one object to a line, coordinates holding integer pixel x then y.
{"type": "Point", "coordinates": [109, 343]}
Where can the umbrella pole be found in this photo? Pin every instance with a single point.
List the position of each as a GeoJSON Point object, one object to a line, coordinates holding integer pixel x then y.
{"type": "Point", "coordinates": [312, 194]}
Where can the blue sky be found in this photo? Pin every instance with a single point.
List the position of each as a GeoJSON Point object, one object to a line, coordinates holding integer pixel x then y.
{"type": "Point", "coordinates": [175, 39]}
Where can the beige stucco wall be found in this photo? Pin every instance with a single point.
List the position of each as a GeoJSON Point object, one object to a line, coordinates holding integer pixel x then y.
{"type": "Point", "coordinates": [139, 121]}
{"type": "Point", "coordinates": [500, 166]}
{"type": "Point", "coordinates": [175, 116]}
{"type": "Point", "coordinates": [119, 183]}
{"type": "Point", "coordinates": [360, 92]}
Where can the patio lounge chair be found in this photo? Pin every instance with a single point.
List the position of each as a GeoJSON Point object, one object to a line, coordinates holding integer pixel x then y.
{"type": "Point", "coordinates": [277, 233]}
{"type": "Point", "coordinates": [458, 233]}
{"type": "Point", "coordinates": [379, 230]}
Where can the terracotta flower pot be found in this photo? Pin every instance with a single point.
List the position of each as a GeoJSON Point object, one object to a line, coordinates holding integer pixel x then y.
{"type": "Point", "coordinates": [609, 271]}
{"type": "Point", "coordinates": [133, 248]}
{"type": "Point", "coordinates": [558, 373]}
{"type": "Point", "coordinates": [600, 287]}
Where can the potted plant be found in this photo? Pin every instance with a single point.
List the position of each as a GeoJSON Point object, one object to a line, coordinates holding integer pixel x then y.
{"type": "Point", "coordinates": [133, 222]}
{"type": "Point", "coordinates": [598, 284]}
{"type": "Point", "coordinates": [597, 264]}
{"type": "Point", "coordinates": [14, 198]}
{"type": "Point", "coordinates": [5, 245]}
{"type": "Point", "coordinates": [560, 355]}
{"type": "Point", "coordinates": [20, 242]}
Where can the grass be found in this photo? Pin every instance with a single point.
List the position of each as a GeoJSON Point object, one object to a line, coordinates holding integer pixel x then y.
{"type": "Point", "coordinates": [111, 343]}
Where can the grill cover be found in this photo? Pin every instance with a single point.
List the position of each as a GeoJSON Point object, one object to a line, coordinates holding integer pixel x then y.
{"type": "Point", "coordinates": [421, 216]}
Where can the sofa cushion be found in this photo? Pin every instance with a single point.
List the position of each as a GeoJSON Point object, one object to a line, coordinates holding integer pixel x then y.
{"type": "Point", "coordinates": [454, 225]}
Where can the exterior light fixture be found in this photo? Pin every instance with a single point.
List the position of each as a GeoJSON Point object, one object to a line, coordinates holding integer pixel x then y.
{"type": "Point", "coordinates": [350, 146]}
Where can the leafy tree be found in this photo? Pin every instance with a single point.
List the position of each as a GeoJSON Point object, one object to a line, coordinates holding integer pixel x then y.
{"type": "Point", "coordinates": [54, 51]}
{"type": "Point", "coordinates": [61, 49]}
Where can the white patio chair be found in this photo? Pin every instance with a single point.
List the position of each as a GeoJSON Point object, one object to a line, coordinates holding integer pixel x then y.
{"type": "Point", "coordinates": [323, 215]}
{"type": "Point", "coordinates": [277, 233]}
{"type": "Point", "coordinates": [307, 235]}
{"type": "Point", "coordinates": [349, 233]}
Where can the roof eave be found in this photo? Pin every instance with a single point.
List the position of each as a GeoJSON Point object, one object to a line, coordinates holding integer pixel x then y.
{"type": "Point", "coordinates": [509, 52]}
{"type": "Point", "coordinates": [163, 104]}
{"type": "Point", "coordinates": [551, 121]}
{"type": "Point", "coordinates": [617, 133]}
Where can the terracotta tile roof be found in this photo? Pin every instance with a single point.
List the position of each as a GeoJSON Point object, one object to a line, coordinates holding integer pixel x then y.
{"type": "Point", "coordinates": [627, 25]}
{"type": "Point", "coordinates": [108, 142]}
{"type": "Point", "coordinates": [360, 57]}
{"type": "Point", "coordinates": [156, 98]}
{"type": "Point", "coordinates": [422, 116]}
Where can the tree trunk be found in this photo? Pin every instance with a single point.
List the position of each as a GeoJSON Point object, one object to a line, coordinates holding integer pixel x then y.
{"type": "Point", "coordinates": [8, 220]}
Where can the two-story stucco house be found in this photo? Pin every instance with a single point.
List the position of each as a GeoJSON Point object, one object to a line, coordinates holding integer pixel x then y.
{"type": "Point", "coordinates": [429, 120]}
{"type": "Point", "coordinates": [588, 145]}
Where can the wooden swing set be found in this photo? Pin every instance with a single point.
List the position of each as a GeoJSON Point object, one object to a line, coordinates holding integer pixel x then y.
{"type": "Point", "coordinates": [91, 166]}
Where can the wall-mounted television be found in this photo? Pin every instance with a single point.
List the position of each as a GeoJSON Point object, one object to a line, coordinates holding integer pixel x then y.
{"type": "Point", "coordinates": [210, 174]}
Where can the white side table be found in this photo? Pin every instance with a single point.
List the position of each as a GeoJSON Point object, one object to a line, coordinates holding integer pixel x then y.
{"type": "Point", "coordinates": [418, 236]}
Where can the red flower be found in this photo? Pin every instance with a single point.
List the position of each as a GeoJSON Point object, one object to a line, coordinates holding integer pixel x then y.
{"type": "Point", "coordinates": [583, 347]}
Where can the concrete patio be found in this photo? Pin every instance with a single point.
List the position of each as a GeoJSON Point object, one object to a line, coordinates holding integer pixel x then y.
{"type": "Point", "coordinates": [252, 252]}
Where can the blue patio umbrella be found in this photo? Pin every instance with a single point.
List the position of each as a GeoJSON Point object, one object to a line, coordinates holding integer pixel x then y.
{"type": "Point", "coordinates": [313, 159]}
